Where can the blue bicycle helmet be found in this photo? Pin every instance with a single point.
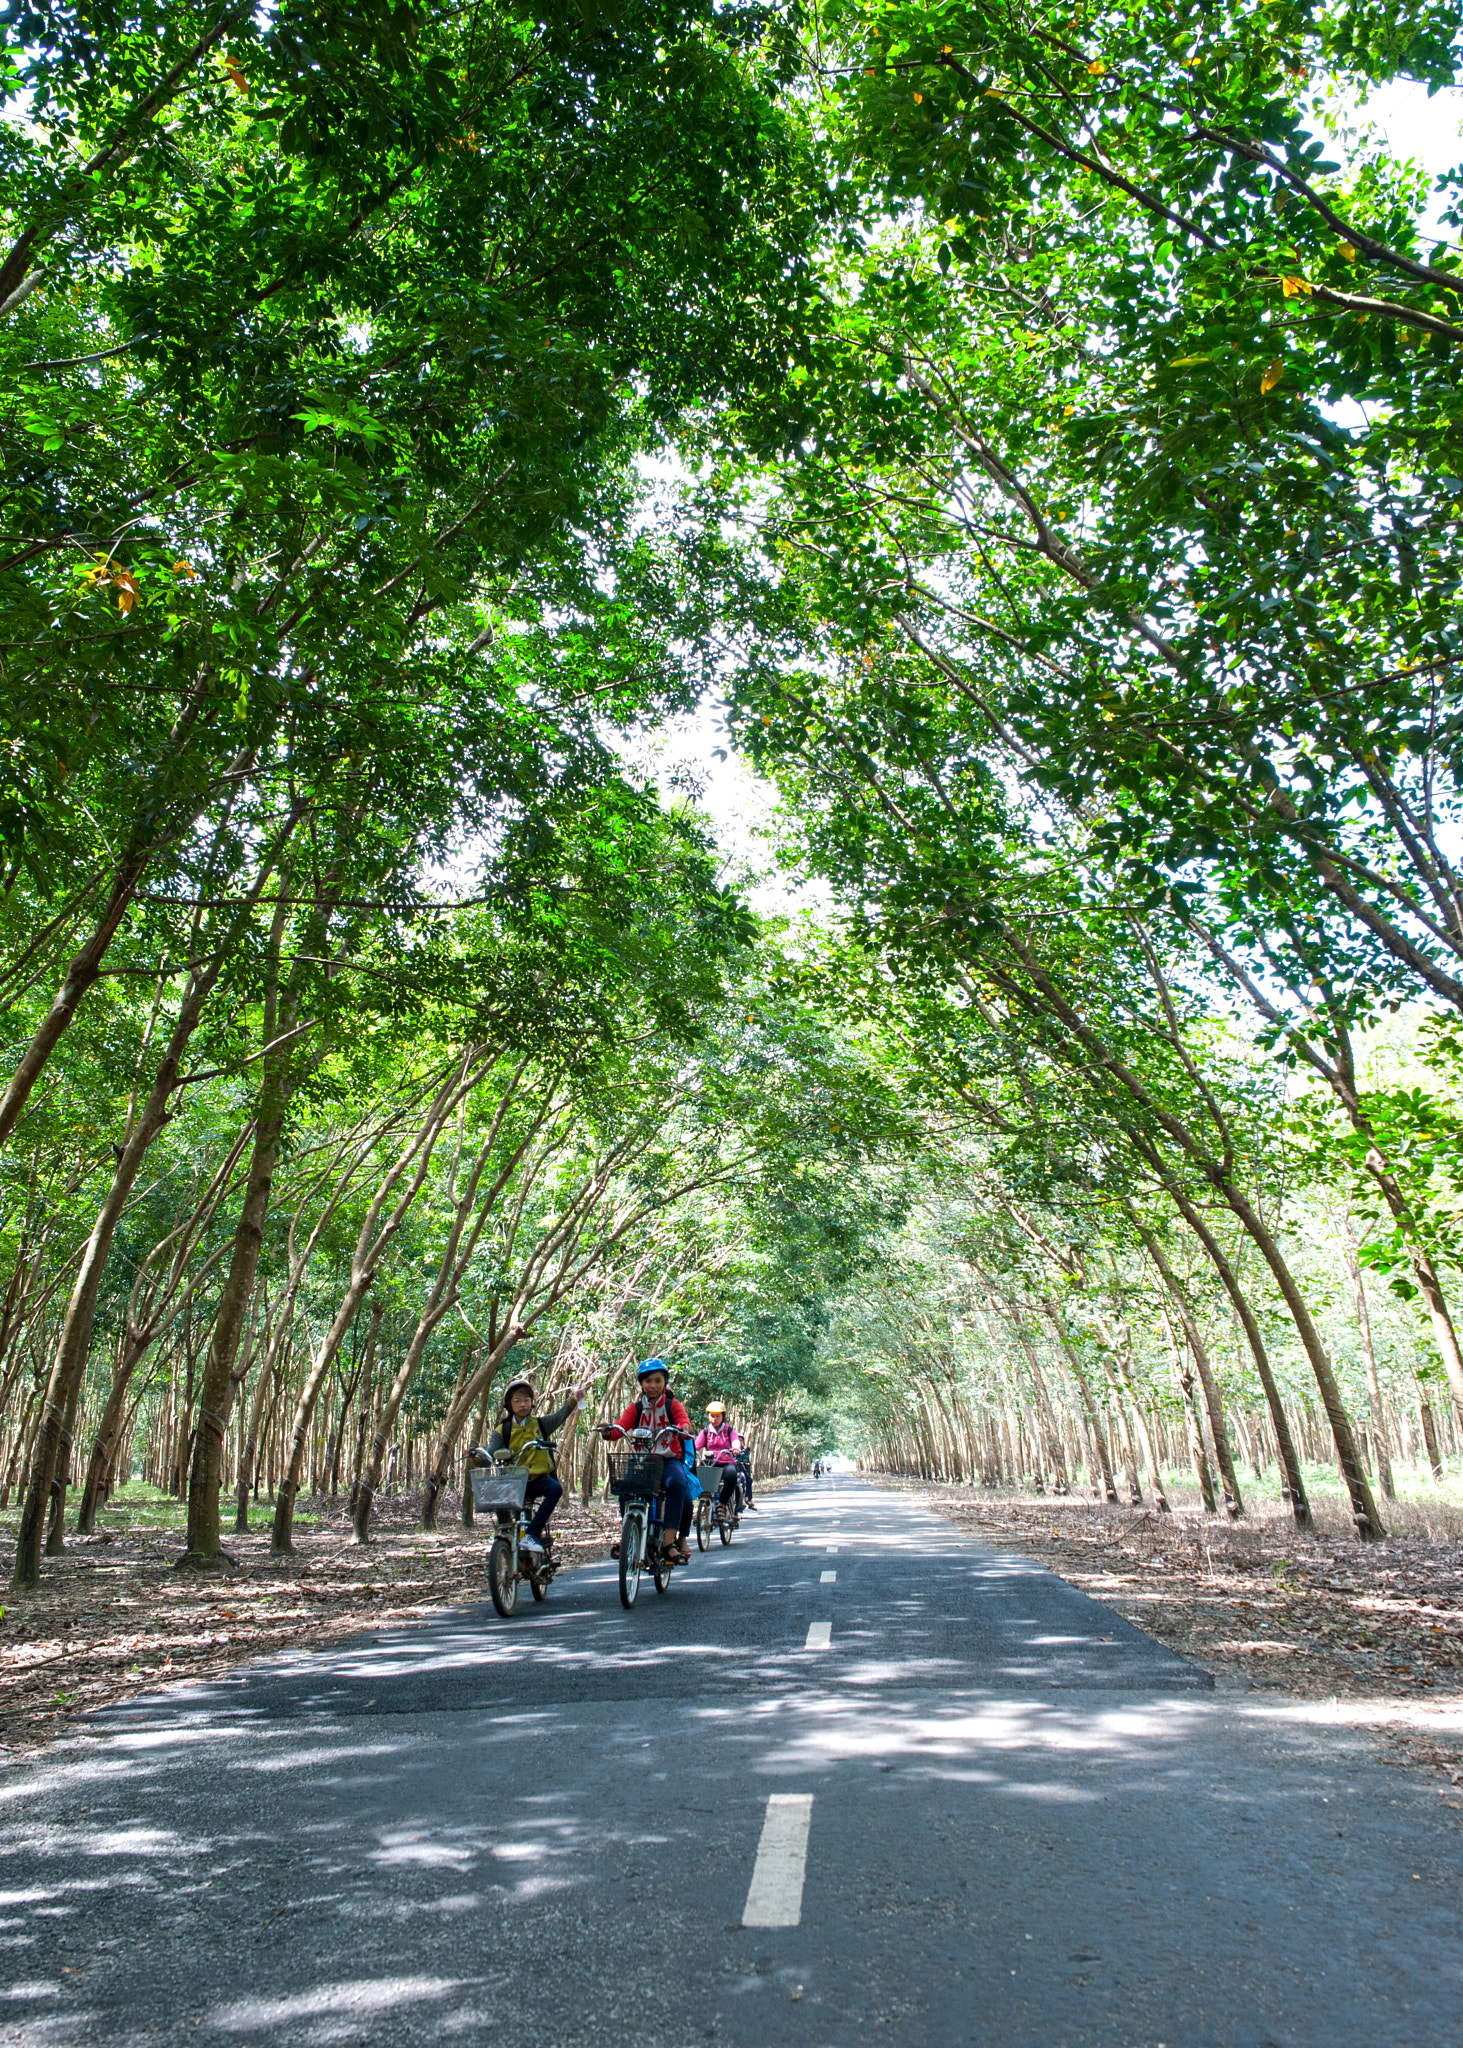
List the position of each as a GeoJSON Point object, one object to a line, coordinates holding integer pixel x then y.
{"type": "Point", "coordinates": [653, 1365]}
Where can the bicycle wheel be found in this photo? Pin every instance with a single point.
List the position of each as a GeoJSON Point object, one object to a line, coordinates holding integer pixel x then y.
{"type": "Point", "coordinates": [724, 1524]}
{"type": "Point", "coordinates": [703, 1522]}
{"type": "Point", "coordinates": [661, 1571]}
{"type": "Point", "coordinates": [502, 1579]}
{"type": "Point", "coordinates": [632, 1555]}
{"type": "Point", "coordinates": [538, 1584]}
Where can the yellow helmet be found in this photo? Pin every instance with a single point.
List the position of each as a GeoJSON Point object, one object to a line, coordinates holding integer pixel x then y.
{"type": "Point", "coordinates": [716, 1407]}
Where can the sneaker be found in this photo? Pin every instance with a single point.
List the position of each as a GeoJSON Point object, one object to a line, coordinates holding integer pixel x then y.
{"type": "Point", "coordinates": [531, 1543]}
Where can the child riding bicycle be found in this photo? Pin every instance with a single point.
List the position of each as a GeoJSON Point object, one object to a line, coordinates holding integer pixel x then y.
{"type": "Point", "coordinates": [658, 1410]}
{"type": "Point", "coordinates": [529, 1438]}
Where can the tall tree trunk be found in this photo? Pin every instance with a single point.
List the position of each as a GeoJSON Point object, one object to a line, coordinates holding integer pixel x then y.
{"type": "Point", "coordinates": [205, 1476]}
{"type": "Point", "coordinates": [480, 1423]}
{"type": "Point", "coordinates": [1184, 1381]}
{"type": "Point", "coordinates": [1044, 1411]}
{"type": "Point", "coordinates": [108, 1432]}
{"type": "Point", "coordinates": [1364, 1509]}
{"type": "Point", "coordinates": [1094, 1421]}
{"type": "Point", "coordinates": [1429, 1432]}
{"type": "Point", "coordinates": [85, 965]}
{"type": "Point", "coordinates": [1369, 1356]}
{"type": "Point", "coordinates": [56, 1533]}
{"type": "Point", "coordinates": [81, 974]}
{"type": "Point", "coordinates": [69, 1365]}
{"type": "Point", "coordinates": [1292, 1489]}
{"type": "Point", "coordinates": [203, 1544]}
{"type": "Point", "coordinates": [375, 1236]}
{"type": "Point", "coordinates": [1223, 1455]}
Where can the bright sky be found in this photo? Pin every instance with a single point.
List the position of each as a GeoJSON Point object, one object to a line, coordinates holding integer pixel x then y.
{"type": "Point", "coordinates": [1426, 130]}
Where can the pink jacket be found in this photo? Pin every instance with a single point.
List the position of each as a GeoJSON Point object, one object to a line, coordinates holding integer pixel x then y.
{"type": "Point", "coordinates": [720, 1445]}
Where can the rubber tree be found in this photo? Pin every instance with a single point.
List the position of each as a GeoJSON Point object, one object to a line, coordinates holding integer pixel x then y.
{"type": "Point", "coordinates": [392, 1202]}
{"type": "Point", "coordinates": [153, 1305]}
{"type": "Point", "coordinates": [74, 1346]}
{"type": "Point", "coordinates": [1199, 1351]}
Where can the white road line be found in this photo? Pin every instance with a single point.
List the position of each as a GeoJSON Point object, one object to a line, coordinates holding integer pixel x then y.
{"type": "Point", "coordinates": [775, 1895]}
{"type": "Point", "coordinates": [820, 1636]}
{"type": "Point", "coordinates": [832, 1550]}
{"type": "Point", "coordinates": [829, 1579]}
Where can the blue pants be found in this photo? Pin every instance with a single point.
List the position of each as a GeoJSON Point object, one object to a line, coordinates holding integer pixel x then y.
{"type": "Point", "coordinates": [548, 1492]}
{"type": "Point", "coordinates": [676, 1508]}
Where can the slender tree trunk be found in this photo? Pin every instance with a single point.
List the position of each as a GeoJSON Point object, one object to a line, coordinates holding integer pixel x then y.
{"type": "Point", "coordinates": [69, 1366]}
{"type": "Point", "coordinates": [1364, 1510]}
{"type": "Point", "coordinates": [1084, 1391]}
{"type": "Point", "coordinates": [479, 1425]}
{"type": "Point", "coordinates": [1429, 1432]}
{"type": "Point", "coordinates": [1223, 1455]}
{"type": "Point", "coordinates": [108, 1432]}
{"type": "Point", "coordinates": [1369, 1356]}
{"type": "Point", "coordinates": [1184, 1381]}
{"type": "Point", "coordinates": [56, 1533]}
{"type": "Point", "coordinates": [1044, 1410]}
{"type": "Point", "coordinates": [412, 1164]}
{"type": "Point", "coordinates": [81, 974]}
{"type": "Point", "coordinates": [249, 1448]}
{"type": "Point", "coordinates": [1292, 1488]}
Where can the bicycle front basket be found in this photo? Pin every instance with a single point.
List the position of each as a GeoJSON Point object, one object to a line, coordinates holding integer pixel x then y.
{"type": "Point", "coordinates": [637, 1475]}
{"type": "Point", "coordinates": [498, 1490]}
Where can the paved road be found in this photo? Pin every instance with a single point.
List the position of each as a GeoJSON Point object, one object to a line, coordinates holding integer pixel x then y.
{"type": "Point", "coordinates": [993, 1812]}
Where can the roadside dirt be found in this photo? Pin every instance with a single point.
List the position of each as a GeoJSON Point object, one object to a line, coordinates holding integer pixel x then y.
{"type": "Point", "coordinates": [1376, 1628]}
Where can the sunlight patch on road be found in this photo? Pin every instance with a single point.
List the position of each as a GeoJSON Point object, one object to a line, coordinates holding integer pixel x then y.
{"type": "Point", "coordinates": [247, 2014]}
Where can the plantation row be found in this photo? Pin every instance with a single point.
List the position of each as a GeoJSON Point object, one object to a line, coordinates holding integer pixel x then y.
{"type": "Point", "coordinates": [1035, 435]}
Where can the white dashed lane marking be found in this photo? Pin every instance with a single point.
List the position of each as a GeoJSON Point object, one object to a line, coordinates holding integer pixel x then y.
{"type": "Point", "coordinates": [820, 1636]}
{"type": "Point", "coordinates": [775, 1896]}
{"type": "Point", "coordinates": [829, 1579]}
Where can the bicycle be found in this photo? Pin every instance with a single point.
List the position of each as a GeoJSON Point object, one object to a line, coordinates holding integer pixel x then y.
{"type": "Point", "coordinates": [499, 1491]}
{"type": "Point", "coordinates": [727, 1515]}
{"type": "Point", "coordinates": [637, 1481]}
{"type": "Point", "coordinates": [702, 1521]}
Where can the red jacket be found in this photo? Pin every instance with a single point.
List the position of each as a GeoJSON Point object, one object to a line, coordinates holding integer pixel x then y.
{"type": "Point", "coordinates": [667, 1414]}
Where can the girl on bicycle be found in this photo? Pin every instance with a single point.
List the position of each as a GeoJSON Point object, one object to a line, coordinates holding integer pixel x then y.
{"type": "Point", "coordinates": [658, 1409]}
{"type": "Point", "coordinates": [528, 1436]}
{"type": "Point", "coordinates": [720, 1443]}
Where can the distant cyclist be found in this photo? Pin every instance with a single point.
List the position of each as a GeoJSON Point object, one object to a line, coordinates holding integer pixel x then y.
{"type": "Point", "coordinates": [720, 1444]}
{"type": "Point", "coordinates": [658, 1409]}
{"type": "Point", "coordinates": [529, 1438]}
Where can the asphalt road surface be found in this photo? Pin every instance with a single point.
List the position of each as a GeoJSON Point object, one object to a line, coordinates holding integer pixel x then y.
{"type": "Point", "coordinates": [855, 1779]}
